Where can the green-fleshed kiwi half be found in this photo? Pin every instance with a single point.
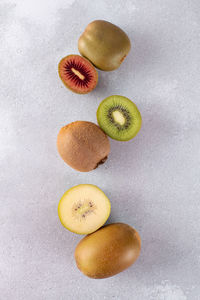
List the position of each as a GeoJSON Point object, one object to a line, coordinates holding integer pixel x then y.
{"type": "Point", "coordinates": [119, 118]}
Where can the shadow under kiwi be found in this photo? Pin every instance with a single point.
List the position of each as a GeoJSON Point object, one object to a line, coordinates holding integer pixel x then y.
{"type": "Point", "coordinates": [144, 51]}
{"type": "Point", "coordinates": [160, 251]}
{"type": "Point", "coordinates": [146, 146]}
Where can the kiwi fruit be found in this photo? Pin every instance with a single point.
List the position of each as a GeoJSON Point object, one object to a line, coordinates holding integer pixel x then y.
{"type": "Point", "coordinates": [119, 118]}
{"type": "Point", "coordinates": [83, 145]}
{"type": "Point", "coordinates": [78, 74]}
{"type": "Point", "coordinates": [108, 251]}
{"type": "Point", "coordinates": [84, 208]}
{"type": "Point", "coordinates": [104, 44]}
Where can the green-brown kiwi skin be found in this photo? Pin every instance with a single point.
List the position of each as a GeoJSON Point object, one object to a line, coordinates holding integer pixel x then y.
{"type": "Point", "coordinates": [96, 47]}
{"type": "Point", "coordinates": [71, 89]}
{"type": "Point", "coordinates": [108, 251]}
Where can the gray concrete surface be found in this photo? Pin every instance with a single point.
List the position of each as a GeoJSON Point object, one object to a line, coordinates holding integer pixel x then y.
{"type": "Point", "coordinates": [153, 181]}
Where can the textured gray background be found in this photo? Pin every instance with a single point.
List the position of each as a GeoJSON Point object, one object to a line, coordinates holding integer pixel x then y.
{"type": "Point", "coordinates": [152, 181]}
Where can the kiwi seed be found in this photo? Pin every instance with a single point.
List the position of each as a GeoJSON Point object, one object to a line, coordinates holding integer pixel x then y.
{"type": "Point", "coordinates": [83, 208]}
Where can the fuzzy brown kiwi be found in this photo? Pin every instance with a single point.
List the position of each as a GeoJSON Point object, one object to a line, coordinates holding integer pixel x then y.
{"type": "Point", "coordinates": [83, 145]}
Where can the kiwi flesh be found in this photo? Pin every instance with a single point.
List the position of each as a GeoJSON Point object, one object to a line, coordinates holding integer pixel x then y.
{"type": "Point", "coordinates": [84, 208]}
{"type": "Point", "coordinates": [78, 74]}
{"type": "Point", "coordinates": [119, 118]}
{"type": "Point", "coordinates": [83, 145]}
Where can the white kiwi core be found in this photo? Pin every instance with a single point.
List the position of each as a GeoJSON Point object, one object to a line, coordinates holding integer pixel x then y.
{"type": "Point", "coordinates": [119, 117]}
{"type": "Point", "coordinates": [77, 73]}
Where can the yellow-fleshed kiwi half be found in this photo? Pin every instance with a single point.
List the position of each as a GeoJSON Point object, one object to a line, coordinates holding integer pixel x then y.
{"type": "Point", "coordinates": [83, 145]}
{"type": "Point", "coordinates": [104, 44]}
{"type": "Point", "coordinates": [108, 251]}
{"type": "Point", "coordinates": [84, 208]}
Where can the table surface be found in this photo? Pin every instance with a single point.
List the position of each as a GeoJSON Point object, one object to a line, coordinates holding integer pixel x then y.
{"type": "Point", "coordinates": [153, 181]}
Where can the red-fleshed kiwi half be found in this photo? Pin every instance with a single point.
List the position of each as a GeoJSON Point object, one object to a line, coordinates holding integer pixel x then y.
{"type": "Point", "coordinates": [78, 74]}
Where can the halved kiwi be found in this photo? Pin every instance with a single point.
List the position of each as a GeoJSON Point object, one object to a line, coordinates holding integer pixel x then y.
{"type": "Point", "coordinates": [78, 74]}
{"type": "Point", "coordinates": [119, 118]}
{"type": "Point", "coordinates": [84, 208]}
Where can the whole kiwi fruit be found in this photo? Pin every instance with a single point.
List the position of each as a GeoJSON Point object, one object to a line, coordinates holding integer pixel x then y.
{"type": "Point", "coordinates": [83, 145]}
{"type": "Point", "coordinates": [104, 44]}
{"type": "Point", "coordinates": [108, 251]}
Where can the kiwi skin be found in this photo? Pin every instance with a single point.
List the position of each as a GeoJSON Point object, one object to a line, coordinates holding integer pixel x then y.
{"type": "Point", "coordinates": [75, 90]}
{"type": "Point", "coordinates": [108, 251]}
{"type": "Point", "coordinates": [104, 44]}
{"type": "Point", "coordinates": [65, 194]}
{"type": "Point", "coordinates": [83, 145]}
